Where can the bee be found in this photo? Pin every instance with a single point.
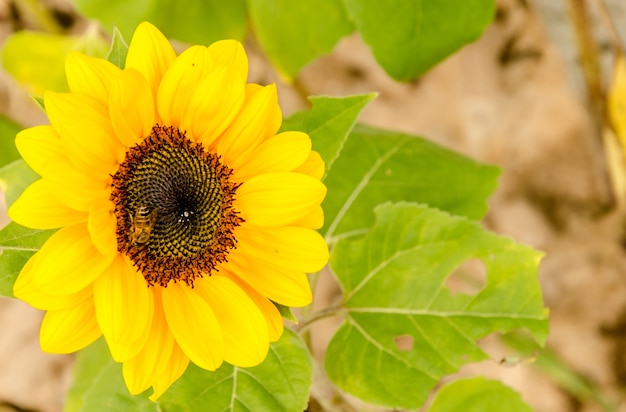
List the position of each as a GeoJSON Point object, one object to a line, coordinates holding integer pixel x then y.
{"type": "Point", "coordinates": [141, 225]}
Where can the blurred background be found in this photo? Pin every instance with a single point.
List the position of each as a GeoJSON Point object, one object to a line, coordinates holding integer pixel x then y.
{"type": "Point", "coordinates": [518, 98]}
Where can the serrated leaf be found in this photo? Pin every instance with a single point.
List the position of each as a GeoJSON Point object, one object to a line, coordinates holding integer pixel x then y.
{"type": "Point", "coordinates": [14, 178]}
{"type": "Point", "coordinates": [8, 151]}
{"type": "Point", "coordinates": [409, 37]}
{"type": "Point", "coordinates": [17, 245]}
{"type": "Point", "coordinates": [37, 60]}
{"type": "Point", "coordinates": [393, 282]}
{"type": "Point", "coordinates": [293, 33]}
{"type": "Point", "coordinates": [281, 382]}
{"type": "Point", "coordinates": [329, 122]}
{"type": "Point", "coordinates": [119, 49]}
{"type": "Point", "coordinates": [477, 395]}
{"type": "Point", "coordinates": [376, 166]}
{"type": "Point", "coordinates": [11, 263]}
{"type": "Point", "coordinates": [189, 21]}
{"type": "Point", "coordinates": [98, 384]}
{"type": "Point", "coordinates": [20, 238]}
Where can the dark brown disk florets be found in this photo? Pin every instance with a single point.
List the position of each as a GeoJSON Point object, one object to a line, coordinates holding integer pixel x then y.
{"type": "Point", "coordinates": [173, 203]}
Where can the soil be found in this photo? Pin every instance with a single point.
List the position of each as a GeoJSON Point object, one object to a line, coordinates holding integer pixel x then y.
{"type": "Point", "coordinates": [513, 98]}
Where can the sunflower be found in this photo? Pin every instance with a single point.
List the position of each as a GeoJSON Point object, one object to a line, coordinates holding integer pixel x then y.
{"type": "Point", "coordinates": [183, 216]}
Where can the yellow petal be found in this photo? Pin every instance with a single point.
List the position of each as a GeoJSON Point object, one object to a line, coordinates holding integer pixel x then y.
{"type": "Point", "coordinates": [124, 306]}
{"type": "Point", "coordinates": [69, 262]}
{"type": "Point", "coordinates": [281, 153]}
{"type": "Point", "coordinates": [150, 53]}
{"type": "Point", "coordinates": [143, 371]}
{"type": "Point", "coordinates": [26, 290]}
{"type": "Point", "coordinates": [232, 54]}
{"type": "Point", "coordinates": [272, 316]}
{"type": "Point", "coordinates": [213, 105]}
{"type": "Point", "coordinates": [131, 107]}
{"type": "Point", "coordinates": [73, 188]}
{"type": "Point", "coordinates": [259, 119]}
{"type": "Point", "coordinates": [90, 76]}
{"type": "Point", "coordinates": [243, 326]}
{"type": "Point", "coordinates": [278, 199]}
{"type": "Point", "coordinates": [288, 247]}
{"type": "Point", "coordinates": [86, 132]}
{"type": "Point", "coordinates": [313, 166]}
{"type": "Point", "coordinates": [177, 365]}
{"type": "Point", "coordinates": [179, 83]}
{"type": "Point", "coordinates": [194, 326]}
{"type": "Point", "coordinates": [69, 330]}
{"type": "Point", "coordinates": [314, 220]}
{"type": "Point", "coordinates": [37, 145]}
{"type": "Point", "coordinates": [286, 287]}
{"type": "Point", "coordinates": [102, 225]}
{"type": "Point", "coordinates": [38, 208]}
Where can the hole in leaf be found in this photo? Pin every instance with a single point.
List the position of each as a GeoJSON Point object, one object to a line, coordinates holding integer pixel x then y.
{"type": "Point", "coordinates": [404, 343]}
{"type": "Point", "coordinates": [468, 278]}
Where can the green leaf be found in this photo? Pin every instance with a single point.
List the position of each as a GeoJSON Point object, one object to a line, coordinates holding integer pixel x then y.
{"type": "Point", "coordinates": [22, 239]}
{"type": "Point", "coordinates": [17, 245]}
{"type": "Point", "coordinates": [286, 312]}
{"type": "Point", "coordinates": [409, 37]}
{"type": "Point", "coordinates": [293, 33]}
{"type": "Point", "coordinates": [477, 395]}
{"type": "Point", "coordinates": [11, 263]}
{"type": "Point", "coordinates": [329, 122]}
{"type": "Point", "coordinates": [119, 49]}
{"type": "Point", "coordinates": [281, 382]}
{"type": "Point", "coordinates": [37, 60]}
{"type": "Point", "coordinates": [189, 21]}
{"type": "Point", "coordinates": [98, 384]}
{"type": "Point", "coordinates": [8, 151]}
{"type": "Point", "coordinates": [14, 178]}
{"type": "Point", "coordinates": [394, 291]}
{"type": "Point", "coordinates": [376, 166]}
{"type": "Point", "coordinates": [200, 22]}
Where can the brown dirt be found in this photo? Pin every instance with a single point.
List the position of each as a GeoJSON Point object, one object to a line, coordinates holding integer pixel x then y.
{"type": "Point", "coordinates": [506, 100]}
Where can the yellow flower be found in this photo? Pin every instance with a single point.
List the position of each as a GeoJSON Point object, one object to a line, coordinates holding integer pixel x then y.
{"type": "Point", "coordinates": [182, 213]}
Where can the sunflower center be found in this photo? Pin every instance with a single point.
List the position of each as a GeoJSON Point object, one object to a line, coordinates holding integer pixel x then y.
{"type": "Point", "coordinates": [173, 204]}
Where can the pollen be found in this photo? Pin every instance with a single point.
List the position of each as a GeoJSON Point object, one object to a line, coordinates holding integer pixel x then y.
{"type": "Point", "coordinates": [173, 204]}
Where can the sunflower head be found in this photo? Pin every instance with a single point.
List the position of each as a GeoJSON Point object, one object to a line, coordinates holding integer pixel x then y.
{"type": "Point", "coordinates": [182, 214]}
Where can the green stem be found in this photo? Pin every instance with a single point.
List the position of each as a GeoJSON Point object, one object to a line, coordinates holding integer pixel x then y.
{"type": "Point", "coordinates": [315, 316]}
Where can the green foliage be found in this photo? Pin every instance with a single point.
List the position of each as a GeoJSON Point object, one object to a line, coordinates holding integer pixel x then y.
{"type": "Point", "coordinates": [37, 60]}
{"type": "Point", "coordinates": [477, 395]}
{"type": "Point", "coordinates": [14, 178]}
{"type": "Point", "coordinates": [409, 37]}
{"type": "Point", "coordinates": [376, 166]}
{"type": "Point", "coordinates": [281, 382]}
{"type": "Point", "coordinates": [190, 21]}
{"type": "Point", "coordinates": [11, 262]}
{"type": "Point", "coordinates": [119, 49]}
{"type": "Point", "coordinates": [98, 384]}
{"type": "Point", "coordinates": [393, 282]}
{"type": "Point", "coordinates": [294, 33]}
{"type": "Point", "coordinates": [8, 151]}
{"type": "Point", "coordinates": [329, 122]}
{"type": "Point", "coordinates": [406, 37]}
{"type": "Point", "coordinates": [17, 243]}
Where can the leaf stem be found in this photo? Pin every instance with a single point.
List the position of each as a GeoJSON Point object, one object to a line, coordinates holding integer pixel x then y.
{"type": "Point", "coordinates": [317, 315]}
